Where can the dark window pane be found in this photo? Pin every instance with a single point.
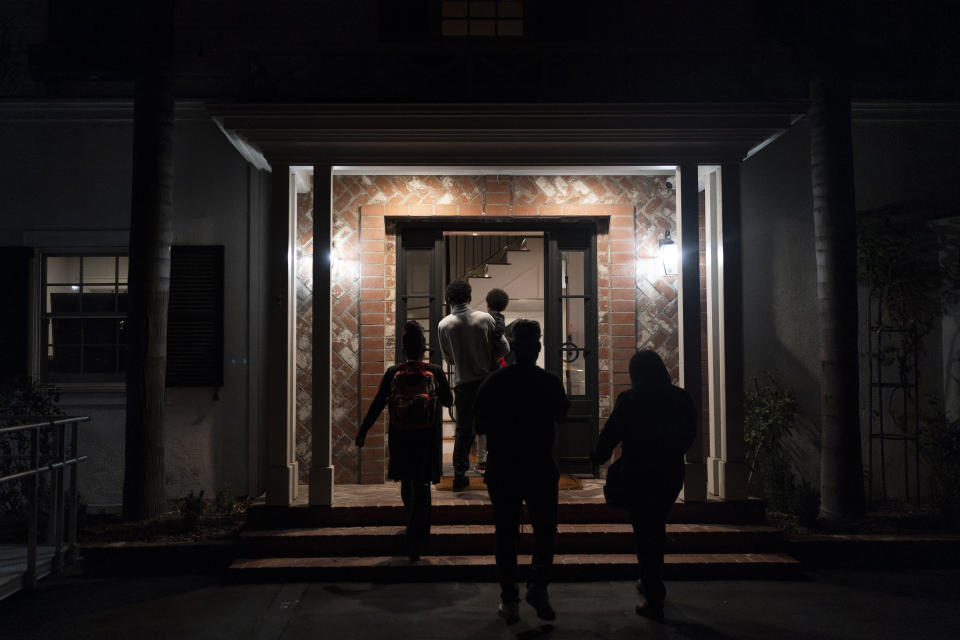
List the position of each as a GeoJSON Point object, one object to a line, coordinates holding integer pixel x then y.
{"type": "Point", "coordinates": [454, 27]}
{"type": "Point", "coordinates": [98, 300]}
{"type": "Point", "coordinates": [100, 331]}
{"type": "Point", "coordinates": [483, 27]}
{"type": "Point", "coordinates": [65, 360]}
{"type": "Point", "coordinates": [455, 9]}
{"type": "Point", "coordinates": [63, 299]}
{"type": "Point", "coordinates": [510, 28]}
{"type": "Point", "coordinates": [510, 8]}
{"type": "Point", "coordinates": [99, 359]}
{"type": "Point", "coordinates": [482, 8]}
{"type": "Point", "coordinates": [122, 299]}
{"type": "Point", "coordinates": [122, 358]}
{"type": "Point", "coordinates": [65, 331]}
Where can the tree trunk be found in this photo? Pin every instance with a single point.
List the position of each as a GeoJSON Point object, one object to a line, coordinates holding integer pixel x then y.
{"type": "Point", "coordinates": [149, 271]}
{"type": "Point", "coordinates": [831, 157]}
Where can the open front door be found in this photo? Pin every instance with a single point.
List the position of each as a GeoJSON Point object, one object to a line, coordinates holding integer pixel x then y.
{"type": "Point", "coordinates": [419, 285]}
{"type": "Point", "coordinates": [570, 340]}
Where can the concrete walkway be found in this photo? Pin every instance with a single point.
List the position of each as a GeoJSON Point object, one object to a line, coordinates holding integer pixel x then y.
{"type": "Point", "coordinates": [828, 605]}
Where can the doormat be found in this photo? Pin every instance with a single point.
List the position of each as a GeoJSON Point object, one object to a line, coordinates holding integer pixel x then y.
{"type": "Point", "coordinates": [567, 482]}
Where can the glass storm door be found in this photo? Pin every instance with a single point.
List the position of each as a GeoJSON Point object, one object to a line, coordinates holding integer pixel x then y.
{"type": "Point", "coordinates": [419, 294]}
{"type": "Point", "coordinates": [570, 340]}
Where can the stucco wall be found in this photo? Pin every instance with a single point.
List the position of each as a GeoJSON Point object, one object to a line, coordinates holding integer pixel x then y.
{"type": "Point", "coordinates": [896, 162]}
{"type": "Point", "coordinates": [69, 189]}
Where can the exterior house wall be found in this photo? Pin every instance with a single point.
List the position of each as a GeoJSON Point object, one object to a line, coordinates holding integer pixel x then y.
{"type": "Point", "coordinates": [69, 189]}
{"type": "Point", "coordinates": [635, 308]}
{"type": "Point", "coordinates": [897, 162]}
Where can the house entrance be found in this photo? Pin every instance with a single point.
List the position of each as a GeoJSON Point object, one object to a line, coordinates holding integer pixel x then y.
{"type": "Point", "coordinates": [550, 275]}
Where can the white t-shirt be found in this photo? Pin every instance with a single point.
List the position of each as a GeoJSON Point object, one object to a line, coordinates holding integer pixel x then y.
{"type": "Point", "coordinates": [467, 342]}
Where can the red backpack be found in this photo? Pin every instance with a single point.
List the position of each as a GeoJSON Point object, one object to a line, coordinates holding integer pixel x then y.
{"type": "Point", "coordinates": [413, 397]}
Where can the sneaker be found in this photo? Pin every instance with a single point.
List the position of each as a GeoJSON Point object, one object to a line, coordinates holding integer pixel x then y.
{"type": "Point", "coordinates": [537, 598]}
{"type": "Point", "coordinates": [460, 483]}
{"type": "Point", "coordinates": [480, 467]}
{"type": "Point", "coordinates": [650, 610]}
{"type": "Point", "coordinates": [510, 612]}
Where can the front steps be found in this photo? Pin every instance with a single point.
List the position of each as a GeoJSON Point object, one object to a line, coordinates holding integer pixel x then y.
{"type": "Point", "coordinates": [362, 539]}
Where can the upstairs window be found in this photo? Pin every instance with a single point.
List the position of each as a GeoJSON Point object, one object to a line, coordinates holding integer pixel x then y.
{"type": "Point", "coordinates": [481, 18]}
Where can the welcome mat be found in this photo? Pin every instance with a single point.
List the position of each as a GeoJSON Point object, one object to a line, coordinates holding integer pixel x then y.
{"type": "Point", "coordinates": [567, 482]}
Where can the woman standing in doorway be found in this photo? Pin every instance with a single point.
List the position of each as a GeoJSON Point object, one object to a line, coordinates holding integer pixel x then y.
{"type": "Point", "coordinates": [414, 391]}
{"type": "Point", "coordinates": [656, 422]}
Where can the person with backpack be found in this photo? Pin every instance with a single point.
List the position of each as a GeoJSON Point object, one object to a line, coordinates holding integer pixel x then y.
{"type": "Point", "coordinates": [414, 392]}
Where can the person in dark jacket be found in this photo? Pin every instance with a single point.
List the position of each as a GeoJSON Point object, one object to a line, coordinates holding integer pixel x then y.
{"type": "Point", "coordinates": [415, 454]}
{"type": "Point", "coordinates": [518, 408]}
{"type": "Point", "coordinates": [655, 422]}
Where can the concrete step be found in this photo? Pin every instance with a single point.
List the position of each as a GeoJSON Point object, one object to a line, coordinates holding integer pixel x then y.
{"type": "Point", "coordinates": [567, 568]}
{"type": "Point", "coordinates": [479, 539]}
{"type": "Point", "coordinates": [450, 508]}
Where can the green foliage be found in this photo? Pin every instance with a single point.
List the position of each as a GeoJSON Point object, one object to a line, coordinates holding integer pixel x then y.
{"type": "Point", "coordinates": [191, 508]}
{"type": "Point", "coordinates": [942, 452]}
{"type": "Point", "coordinates": [22, 401]}
{"type": "Point", "coordinates": [223, 500]}
{"type": "Point", "coordinates": [770, 412]}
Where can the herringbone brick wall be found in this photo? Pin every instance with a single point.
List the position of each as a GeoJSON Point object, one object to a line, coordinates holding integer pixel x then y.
{"type": "Point", "coordinates": [637, 304]}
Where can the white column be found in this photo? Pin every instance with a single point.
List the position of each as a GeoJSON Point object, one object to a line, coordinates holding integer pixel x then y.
{"type": "Point", "coordinates": [321, 467]}
{"type": "Point", "coordinates": [715, 345]}
{"type": "Point", "coordinates": [695, 484]}
{"type": "Point", "coordinates": [280, 470]}
{"type": "Point", "coordinates": [731, 467]}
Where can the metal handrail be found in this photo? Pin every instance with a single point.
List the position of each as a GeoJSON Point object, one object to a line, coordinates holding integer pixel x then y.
{"type": "Point", "coordinates": [65, 552]}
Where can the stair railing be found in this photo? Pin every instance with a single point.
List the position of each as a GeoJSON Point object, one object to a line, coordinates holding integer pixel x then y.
{"type": "Point", "coordinates": [64, 550]}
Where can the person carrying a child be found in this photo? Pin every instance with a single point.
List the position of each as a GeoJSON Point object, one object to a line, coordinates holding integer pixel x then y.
{"type": "Point", "coordinates": [414, 391]}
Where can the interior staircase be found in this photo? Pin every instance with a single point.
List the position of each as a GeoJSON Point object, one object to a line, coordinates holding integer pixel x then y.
{"type": "Point", "coordinates": [710, 540]}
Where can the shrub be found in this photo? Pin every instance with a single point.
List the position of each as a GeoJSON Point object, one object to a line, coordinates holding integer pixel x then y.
{"type": "Point", "coordinates": [191, 508]}
{"type": "Point", "coordinates": [770, 412]}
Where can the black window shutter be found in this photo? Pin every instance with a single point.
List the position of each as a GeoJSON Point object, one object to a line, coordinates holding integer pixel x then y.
{"type": "Point", "coordinates": [195, 317]}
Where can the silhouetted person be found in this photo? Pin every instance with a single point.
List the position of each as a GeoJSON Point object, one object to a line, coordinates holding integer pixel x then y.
{"type": "Point", "coordinates": [467, 341]}
{"type": "Point", "coordinates": [414, 391]}
{"type": "Point", "coordinates": [518, 408]}
{"type": "Point", "coordinates": [656, 423]}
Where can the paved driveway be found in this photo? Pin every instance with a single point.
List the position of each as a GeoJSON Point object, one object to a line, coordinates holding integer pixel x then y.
{"type": "Point", "coordinates": [828, 605]}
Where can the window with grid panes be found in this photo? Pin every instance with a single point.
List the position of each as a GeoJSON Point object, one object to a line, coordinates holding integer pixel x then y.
{"type": "Point", "coordinates": [83, 318]}
{"type": "Point", "coordinates": [482, 18]}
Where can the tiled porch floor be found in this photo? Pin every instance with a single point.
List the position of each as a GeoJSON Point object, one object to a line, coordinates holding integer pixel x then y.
{"type": "Point", "coordinates": [374, 495]}
{"type": "Point", "coordinates": [377, 495]}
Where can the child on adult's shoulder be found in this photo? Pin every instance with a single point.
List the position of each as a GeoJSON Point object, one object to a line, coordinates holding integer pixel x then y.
{"type": "Point", "coordinates": [497, 301]}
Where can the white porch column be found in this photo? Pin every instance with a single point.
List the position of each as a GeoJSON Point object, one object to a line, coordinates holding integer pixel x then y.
{"type": "Point", "coordinates": [280, 470]}
{"type": "Point", "coordinates": [695, 485]}
{"type": "Point", "coordinates": [727, 469]}
{"type": "Point", "coordinates": [321, 467]}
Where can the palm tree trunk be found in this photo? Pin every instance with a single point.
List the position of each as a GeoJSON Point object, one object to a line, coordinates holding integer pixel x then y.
{"type": "Point", "coordinates": [149, 273]}
{"type": "Point", "coordinates": [831, 156]}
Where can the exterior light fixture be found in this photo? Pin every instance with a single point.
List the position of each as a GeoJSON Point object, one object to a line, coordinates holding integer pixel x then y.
{"type": "Point", "coordinates": [669, 254]}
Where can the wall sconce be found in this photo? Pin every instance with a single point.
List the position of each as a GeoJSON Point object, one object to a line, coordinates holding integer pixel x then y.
{"type": "Point", "coordinates": [669, 255]}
